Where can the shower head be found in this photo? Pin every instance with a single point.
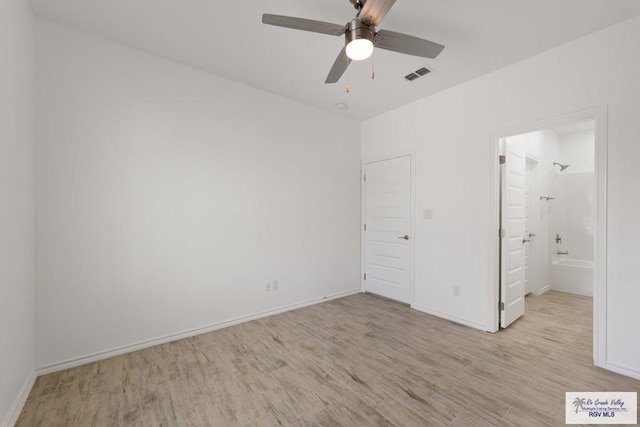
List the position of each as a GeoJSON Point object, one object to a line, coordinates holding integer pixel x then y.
{"type": "Point", "coordinates": [562, 167]}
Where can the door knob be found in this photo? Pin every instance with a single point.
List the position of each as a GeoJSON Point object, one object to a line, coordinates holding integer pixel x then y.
{"type": "Point", "coordinates": [405, 237]}
{"type": "Point", "coordinates": [525, 240]}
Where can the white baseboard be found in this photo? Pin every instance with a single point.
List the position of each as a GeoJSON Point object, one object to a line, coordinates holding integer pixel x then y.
{"type": "Point", "coordinates": [21, 399]}
{"type": "Point", "coordinates": [542, 290]}
{"type": "Point", "coordinates": [447, 316]}
{"type": "Point", "coordinates": [622, 370]}
{"type": "Point", "coordinates": [94, 357]}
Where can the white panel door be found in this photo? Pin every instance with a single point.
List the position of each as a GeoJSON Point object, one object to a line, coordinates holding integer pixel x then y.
{"type": "Point", "coordinates": [388, 228]}
{"type": "Point", "coordinates": [513, 222]}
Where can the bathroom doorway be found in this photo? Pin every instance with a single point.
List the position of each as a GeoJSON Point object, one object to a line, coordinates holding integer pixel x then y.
{"type": "Point", "coordinates": [551, 216]}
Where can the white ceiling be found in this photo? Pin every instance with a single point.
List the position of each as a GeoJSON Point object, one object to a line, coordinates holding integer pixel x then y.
{"type": "Point", "coordinates": [227, 38]}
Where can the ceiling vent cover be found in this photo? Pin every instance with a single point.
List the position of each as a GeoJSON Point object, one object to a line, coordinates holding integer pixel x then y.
{"type": "Point", "coordinates": [417, 74]}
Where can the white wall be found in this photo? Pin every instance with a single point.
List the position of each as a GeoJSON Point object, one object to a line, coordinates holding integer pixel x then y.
{"type": "Point", "coordinates": [577, 150]}
{"type": "Point", "coordinates": [168, 197]}
{"type": "Point", "coordinates": [451, 133]}
{"type": "Point", "coordinates": [574, 214]}
{"type": "Point", "coordinates": [16, 205]}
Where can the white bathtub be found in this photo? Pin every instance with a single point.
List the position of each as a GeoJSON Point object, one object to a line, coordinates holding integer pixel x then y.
{"type": "Point", "coordinates": [574, 276]}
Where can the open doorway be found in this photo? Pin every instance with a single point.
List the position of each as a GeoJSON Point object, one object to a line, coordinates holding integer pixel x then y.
{"type": "Point", "coordinates": [551, 216]}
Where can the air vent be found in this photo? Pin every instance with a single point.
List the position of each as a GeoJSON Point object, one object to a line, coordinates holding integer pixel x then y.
{"type": "Point", "coordinates": [417, 74]}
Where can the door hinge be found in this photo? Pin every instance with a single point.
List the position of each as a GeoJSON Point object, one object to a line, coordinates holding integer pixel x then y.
{"type": "Point", "coordinates": [501, 232]}
{"type": "Point", "coordinates": [365, 276]}
{"type": "Point", "coordinates": [365, 227]}
{"type": "Point", "coordinates": [501, 306]}
{"type": "Point", "coordinates": [364, 178]}
{"type": "Point", "coordinates": [503, 159]}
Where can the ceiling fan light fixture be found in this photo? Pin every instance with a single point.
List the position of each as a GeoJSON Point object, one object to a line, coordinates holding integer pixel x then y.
{"type": "Point", "coordinates": [359, 49]}
{"type": "Point", "coordinates": [359, 40]}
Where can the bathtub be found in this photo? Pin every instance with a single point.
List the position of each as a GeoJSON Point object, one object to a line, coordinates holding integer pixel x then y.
{"type": "Point", "coordinates": [574, 276]}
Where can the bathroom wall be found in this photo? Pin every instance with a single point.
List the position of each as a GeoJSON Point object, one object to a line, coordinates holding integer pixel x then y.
{"type": "Point", "coordinates": [573, 211]}
{"type": "Point", "coordinates": [577, 149]}
{"type": "Point", "coordinates": [574, 214]}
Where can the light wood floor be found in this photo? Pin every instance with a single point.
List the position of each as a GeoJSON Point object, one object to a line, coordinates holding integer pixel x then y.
{"type": "Point", "coordinates": [356, 361]}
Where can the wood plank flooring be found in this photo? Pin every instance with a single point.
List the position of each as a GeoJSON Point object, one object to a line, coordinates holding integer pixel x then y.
{"type": "Point", "coordinates": [356, 361]}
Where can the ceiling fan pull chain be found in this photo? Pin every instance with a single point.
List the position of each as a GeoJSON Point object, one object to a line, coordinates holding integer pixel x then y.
{"type": "Point", "coordinates": [347, 88]}
{"type": "Point", "coordinates": [373, 63]}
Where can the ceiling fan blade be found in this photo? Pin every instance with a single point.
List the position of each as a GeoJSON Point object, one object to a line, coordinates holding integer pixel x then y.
{"type": "Point", "coordinates": [339, 67]}
{"type": "Point", "coordinates": [304, 24]}
{"type": "Point", "coordinates": [374, 11]}
{"type": "Point", "coordinates": [403, 43]}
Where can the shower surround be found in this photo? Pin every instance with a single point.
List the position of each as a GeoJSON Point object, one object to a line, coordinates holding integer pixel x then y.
{"type": "Point", "coordinates": [573, 215]}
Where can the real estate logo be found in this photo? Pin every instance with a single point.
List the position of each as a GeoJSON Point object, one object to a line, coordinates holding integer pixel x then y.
{"type": "Point", "coordinates": [601, 407]}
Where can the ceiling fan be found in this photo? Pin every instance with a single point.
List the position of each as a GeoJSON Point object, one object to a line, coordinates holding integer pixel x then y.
{"type": "Point", "coordinates": [360, 35]}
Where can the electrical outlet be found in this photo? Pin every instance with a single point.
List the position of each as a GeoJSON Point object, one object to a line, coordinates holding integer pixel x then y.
{"type": "Point", "coordinates": [456, 291]}
{"type": "Point", "coordinates": [268, 287]}
{"type": "Point", "coordinates": [275, 285]}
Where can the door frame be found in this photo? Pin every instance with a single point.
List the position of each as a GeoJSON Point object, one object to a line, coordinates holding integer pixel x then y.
{"type": "Point", "coordinates": [412, 222]}
{"type": "Point", "coordinates": [599, 115]}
